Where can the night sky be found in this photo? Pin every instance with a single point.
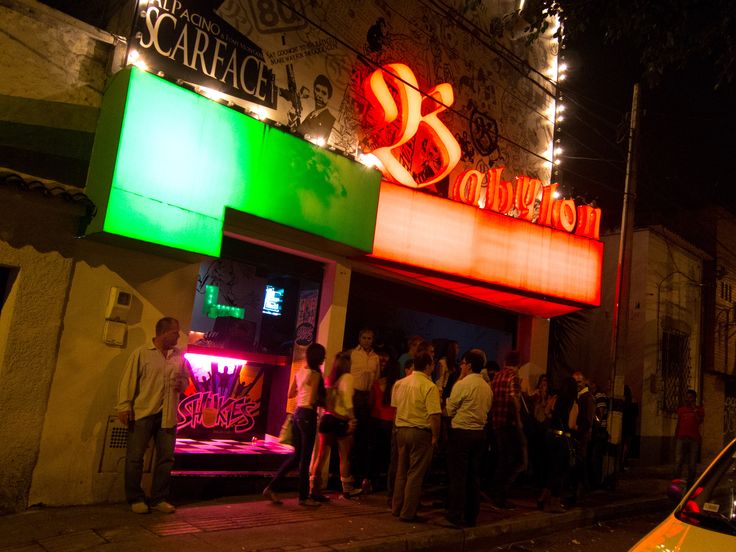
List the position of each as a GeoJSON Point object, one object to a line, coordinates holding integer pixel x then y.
{"type": "Point", "coordinates": [688, 132]}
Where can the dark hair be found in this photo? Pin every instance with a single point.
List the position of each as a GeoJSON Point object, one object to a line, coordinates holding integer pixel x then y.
{"type": "Point", "coordinates": [540, 378]}
{"type": "Point", "coordinates": [408, 364]}
{"type": "Point", "coordinates": [424, 347]}
{"type": "Point", "coordinates": [453, 349]}
{"type": "Point", "coordinates": [324, 81]}
{"type": "Point", "coordinates": [692, 392]}
{"type": "Point", "coordinates": [513, 358]}
{"type": "Point", "coordinates": [163, 325]}
{"type": "Point", "coordinates": [339, 367]}
{"type": "Point", "coordinates": [414, 340]}
{"type": "Point", "coordinates": [421, 361]}
{"type": "Point", "coordinates": [475, 360]}
{"type": "Point", "coordinates": [315, 356]}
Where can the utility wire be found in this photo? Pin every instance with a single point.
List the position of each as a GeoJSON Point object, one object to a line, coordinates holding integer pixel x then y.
{"type": "Point", "coordinates": [453, 13]}
{"type": "Point", "coordinates": [453, 52]}
{"type": "Point", "coordinates": [370, 63]}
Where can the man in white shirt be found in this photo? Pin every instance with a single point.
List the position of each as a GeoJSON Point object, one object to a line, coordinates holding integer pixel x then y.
{"type": "Point", "coordinates": [468, 406]}
{"type": "Point", "coordinates": [418, 410]}
{"type": "Point", "coordinates": [148, 398]}
{"type": "Point", "coordinates": [364, 366]}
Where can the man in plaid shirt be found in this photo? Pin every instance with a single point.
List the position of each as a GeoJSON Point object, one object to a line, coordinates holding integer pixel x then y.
{"type": "Point", "coordinates": [507, 429]}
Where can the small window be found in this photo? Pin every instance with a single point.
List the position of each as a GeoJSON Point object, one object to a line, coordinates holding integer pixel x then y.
{"type": "Point", "coordinates": [7, 277]}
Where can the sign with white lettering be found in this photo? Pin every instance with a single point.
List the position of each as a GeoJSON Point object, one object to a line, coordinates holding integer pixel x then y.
{"type": "Point", "coordinates": [187, 40]}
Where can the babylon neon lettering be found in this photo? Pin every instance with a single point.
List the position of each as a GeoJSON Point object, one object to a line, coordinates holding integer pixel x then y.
{"type": "Point", "coordinates": [416, 150]}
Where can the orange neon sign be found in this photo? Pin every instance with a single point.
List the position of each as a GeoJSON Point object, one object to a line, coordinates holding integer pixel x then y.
{"type": "Point", "coordinates": [416, 150]}
{"type": "Point", "coordinates": [487, 247]}
{"type": "Point", "coordinates": [488, 191]}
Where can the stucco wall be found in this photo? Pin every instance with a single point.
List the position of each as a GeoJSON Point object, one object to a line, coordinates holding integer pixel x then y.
{"type": "Point", "coordinates": [30, 325]}
{"type": "Point", "coordinates": [51, 349]}
{"type": "Point", "coordinates": [83, 392]}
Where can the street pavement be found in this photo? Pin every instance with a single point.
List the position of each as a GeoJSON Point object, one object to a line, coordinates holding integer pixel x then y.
{"type": "Point", "coordinates": [252, 523]}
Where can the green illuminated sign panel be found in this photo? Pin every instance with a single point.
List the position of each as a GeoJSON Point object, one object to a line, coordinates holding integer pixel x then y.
{"type": "Point", "coordinates": [212, 309]}
{"type": "Point", "coordinates": [167, 162]}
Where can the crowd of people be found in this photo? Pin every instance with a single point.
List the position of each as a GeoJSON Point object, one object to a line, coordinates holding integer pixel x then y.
{"type": "Point", "coordinates": [433, 413]}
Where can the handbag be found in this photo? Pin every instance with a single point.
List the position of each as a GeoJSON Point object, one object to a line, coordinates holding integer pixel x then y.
{"type": "Point", "coordinates": [286, 435]}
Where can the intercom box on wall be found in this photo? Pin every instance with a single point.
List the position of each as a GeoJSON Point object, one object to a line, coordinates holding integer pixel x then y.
{"type": "Point", "coordinates": [118, 305]}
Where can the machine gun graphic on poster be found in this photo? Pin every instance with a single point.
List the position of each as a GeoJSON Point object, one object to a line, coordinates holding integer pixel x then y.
{"type": "Point", "coordinates": [294, 97]}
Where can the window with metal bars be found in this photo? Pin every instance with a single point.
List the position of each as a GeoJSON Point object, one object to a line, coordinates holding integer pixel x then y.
{"type": "Point", "coordinates": [675, 369]}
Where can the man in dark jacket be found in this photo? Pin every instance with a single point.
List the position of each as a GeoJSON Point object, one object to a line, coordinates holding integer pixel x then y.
{"type": "Point", "coordinates": [583, 433]}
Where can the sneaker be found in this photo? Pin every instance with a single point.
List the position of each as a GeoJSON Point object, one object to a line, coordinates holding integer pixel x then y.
{"type": "Point", "coordinates": [367, 486]}
{"type": "Point", "coordinates": [415, 519]}
{"type": "Point", "coordinates": [140, 507]}
{"type": "Point", "coordinates": [351, 493]}
{"type": "Point", "coordinates": [451, 522]}
{"type": "Point", "coordinates": [164, 507]}
{"type": "Point", "coordinates": [268, 493]}
{"type": "Point", "coordinates": [309, 502]}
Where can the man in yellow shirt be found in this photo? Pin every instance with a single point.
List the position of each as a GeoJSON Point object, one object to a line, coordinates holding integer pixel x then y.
{"type": "Point", "coordinates": [418, 410]}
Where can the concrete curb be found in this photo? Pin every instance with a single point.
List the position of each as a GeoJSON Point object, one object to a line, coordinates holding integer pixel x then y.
{"type": "Point", "coordinates": [510, 530]}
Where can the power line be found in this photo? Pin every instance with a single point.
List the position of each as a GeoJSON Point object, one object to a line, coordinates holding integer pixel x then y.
{"type": "Point", "coordinates": [370, 63]}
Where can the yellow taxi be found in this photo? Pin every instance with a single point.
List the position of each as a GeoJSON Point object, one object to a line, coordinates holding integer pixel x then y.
{"type": "Point", "coordinates": [705, 518]}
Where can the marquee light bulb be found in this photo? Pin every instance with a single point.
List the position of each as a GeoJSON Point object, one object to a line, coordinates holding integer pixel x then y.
{"type": "Point", "coordinates": [259, 112]}
{"type": "Point", "coordinates": [211, 93]}
{"type": "Point", "coordinates": [560, 118]}
{"type": "Point", "coordinates": [134, 58]}
{"type": "Point", "coordinates": [562, 68]}
{"type": "Point", "coordinates": [560, 108]}
{"type": "Point", "coordinates": [558, 161]}
{"type": "Point", "coordinates": [558, 151]}
{"type": "Point", "coordinates": [369, 160]}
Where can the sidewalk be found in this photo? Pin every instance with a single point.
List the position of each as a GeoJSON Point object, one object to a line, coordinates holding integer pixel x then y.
{"type": "Point", "coordinates": [251, 523]}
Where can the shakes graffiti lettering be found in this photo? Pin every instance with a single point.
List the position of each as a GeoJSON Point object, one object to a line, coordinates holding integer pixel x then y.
{"type": "Point", "coordinates": [211, 410]}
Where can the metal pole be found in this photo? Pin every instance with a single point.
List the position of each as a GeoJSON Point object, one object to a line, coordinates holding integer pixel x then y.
{"type": "Point", "coordinates": [620, 319]}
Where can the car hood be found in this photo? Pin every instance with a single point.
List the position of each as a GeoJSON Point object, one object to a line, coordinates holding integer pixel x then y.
{"type": "Point", "coordinates": [672, 535]}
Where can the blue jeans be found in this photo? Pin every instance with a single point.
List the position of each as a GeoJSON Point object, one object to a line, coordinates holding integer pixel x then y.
{"type": "Point", "coordinates": [139, 433]}
{"type": "Point", "coordinates": [305, 430]}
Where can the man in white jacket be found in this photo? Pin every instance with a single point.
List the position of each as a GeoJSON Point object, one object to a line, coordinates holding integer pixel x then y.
{"type": "Point", "coordinates": [148, 396]}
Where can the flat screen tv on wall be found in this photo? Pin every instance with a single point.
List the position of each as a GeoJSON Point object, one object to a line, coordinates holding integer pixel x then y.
{"type": "Point", "coordinates": [273, 302]}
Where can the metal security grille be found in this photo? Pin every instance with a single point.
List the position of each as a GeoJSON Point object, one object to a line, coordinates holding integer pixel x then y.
{"type": "Point", "coordinates": [675, 369]}
{"type": "Point", "coordinates": [118, 438]}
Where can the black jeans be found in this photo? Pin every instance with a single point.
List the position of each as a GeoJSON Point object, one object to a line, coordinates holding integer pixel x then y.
{"type": "Point", "coordinates": [509, 460]}
{"type": "Point", "coordinates": [557, 449]}
{"type": "Point", "coordinates": [305, 430]}
{"type": "Point", "coordinates": [465, 448]}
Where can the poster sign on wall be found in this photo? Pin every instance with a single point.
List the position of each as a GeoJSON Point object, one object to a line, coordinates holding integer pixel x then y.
{"type": "Point", "coordinates": [187, 40]}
